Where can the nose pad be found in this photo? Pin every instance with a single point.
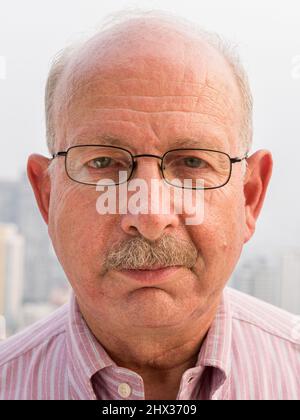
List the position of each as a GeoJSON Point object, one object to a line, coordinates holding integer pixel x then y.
{"type": "Point", "coordinates": [161, 168]}
{"type": "Point", "coordinates": [133, 168]}
{"type": "Point", "coordinates": [135, 164]}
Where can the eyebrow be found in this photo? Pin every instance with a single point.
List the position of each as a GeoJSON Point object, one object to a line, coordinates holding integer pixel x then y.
{"type": "Point", "coordinates": [208, 142]}
{"type": "Point", "coordinates": [103, 139]}
{"type": "Point", "coordinates": [203, 142]}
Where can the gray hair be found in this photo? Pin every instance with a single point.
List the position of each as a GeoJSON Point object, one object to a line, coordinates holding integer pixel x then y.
{"type": "Point", "coordinates": [140, 253]}
{"type": "Point", "coordinates": [168, 22]}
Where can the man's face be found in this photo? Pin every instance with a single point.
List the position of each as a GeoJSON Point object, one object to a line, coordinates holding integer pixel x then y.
{"type": "Point", "coordinates": [152, 99]}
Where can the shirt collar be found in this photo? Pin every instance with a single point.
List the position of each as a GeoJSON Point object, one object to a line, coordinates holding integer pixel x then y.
{"type": "Point", "coordinates": [86, 356]}
{"type": "Point", "coordinates": [216, 349]}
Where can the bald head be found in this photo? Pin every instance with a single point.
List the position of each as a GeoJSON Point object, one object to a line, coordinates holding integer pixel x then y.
{"type": "Point", "coordinates": [164, 56]}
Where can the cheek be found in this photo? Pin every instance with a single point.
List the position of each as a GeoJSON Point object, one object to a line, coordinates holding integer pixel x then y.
{"type": "Point", "coordinates": [79, 234]}
{"type": "Point", "coordinates": [224, 213]}
{"type": "Point", "coordinates": [220, 237]}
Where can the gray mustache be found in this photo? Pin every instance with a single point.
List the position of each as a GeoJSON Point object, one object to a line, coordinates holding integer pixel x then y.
{"type": "Point", "coordinates": [139, 253]}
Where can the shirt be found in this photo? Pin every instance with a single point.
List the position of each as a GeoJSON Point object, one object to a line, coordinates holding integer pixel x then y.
{"type": "Point", "coordinates": [251, 351]}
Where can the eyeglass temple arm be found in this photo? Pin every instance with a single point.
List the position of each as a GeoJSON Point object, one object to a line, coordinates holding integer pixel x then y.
{"type": "Point", "coordinates": [235, 160]}
{"type": "Point", "coordinates": [59, 154]}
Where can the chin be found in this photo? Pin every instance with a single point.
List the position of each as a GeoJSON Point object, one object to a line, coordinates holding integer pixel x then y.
{"type": "Point", "coordinates": [150, 322]}
{"type": "Point", "coordinates": [162, 317]}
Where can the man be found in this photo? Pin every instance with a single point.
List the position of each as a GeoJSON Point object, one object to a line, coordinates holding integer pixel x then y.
{"type": "Point", "coordinates": [151, 98]}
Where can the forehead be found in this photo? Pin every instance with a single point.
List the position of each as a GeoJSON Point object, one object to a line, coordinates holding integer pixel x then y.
{"type": "Point", "coordinates": [157, 77]}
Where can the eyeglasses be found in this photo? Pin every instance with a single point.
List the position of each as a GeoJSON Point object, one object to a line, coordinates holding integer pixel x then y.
{"type": "Point", "coordinates": [110, 165]}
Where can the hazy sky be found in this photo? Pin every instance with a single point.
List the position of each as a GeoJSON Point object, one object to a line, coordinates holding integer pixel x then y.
{"type": "Point", "coordinates": [268, 35]}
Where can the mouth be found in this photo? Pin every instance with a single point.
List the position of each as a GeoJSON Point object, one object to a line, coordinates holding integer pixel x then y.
{"type": "Point", "coordinates": [153, 275]}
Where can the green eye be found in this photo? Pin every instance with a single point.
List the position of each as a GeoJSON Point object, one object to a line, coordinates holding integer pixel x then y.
{"type": "Point", "coordinates": [193, 162]}
{"type": "Point", "coordinates": [101, 162]}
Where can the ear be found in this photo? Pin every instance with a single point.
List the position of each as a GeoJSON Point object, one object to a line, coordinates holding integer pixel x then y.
{"type": "Point", "coordinates": [259, 171]}
{"type": "Point", "coordinates": [39, 178]}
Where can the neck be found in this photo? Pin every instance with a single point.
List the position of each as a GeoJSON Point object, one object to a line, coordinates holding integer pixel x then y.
{"type": "Point", "coordinates": [160, 356]}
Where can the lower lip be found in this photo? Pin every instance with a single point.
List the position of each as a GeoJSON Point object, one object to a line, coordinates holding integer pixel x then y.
{"type": "Point", "coordinates": [151, 276]}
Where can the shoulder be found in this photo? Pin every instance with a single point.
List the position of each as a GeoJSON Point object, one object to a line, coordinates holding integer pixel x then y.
{"type": "Point", "coordinates": [264, 319]}
{"type": "Point", "coordinates": [36, 338]}
{"type": "Point", "coordinates": [265, 349]}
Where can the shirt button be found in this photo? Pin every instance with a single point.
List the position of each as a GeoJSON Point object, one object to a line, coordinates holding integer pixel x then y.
{"type": "Point", "coordinates": [124, 390]}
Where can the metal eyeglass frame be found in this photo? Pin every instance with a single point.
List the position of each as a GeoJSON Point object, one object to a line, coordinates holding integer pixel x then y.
{"type": "Point", "coordinates": [134, 163]}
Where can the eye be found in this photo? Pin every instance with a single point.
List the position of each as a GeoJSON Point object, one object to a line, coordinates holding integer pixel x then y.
{"type": "Point", "coordinates": [100, 162]}
{"type": "Point", "coordinates": [193, 162]}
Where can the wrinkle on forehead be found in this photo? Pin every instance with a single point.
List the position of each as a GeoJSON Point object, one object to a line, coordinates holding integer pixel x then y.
{"type": "Point", "coordinates": [147, 67]}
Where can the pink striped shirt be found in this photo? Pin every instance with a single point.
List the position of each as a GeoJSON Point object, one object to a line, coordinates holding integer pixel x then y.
{"type": "Point", "coordinates": [252, 351]}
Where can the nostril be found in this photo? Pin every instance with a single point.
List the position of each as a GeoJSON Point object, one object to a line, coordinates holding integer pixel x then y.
{"type": "Point", "coordinates": [133, 229]}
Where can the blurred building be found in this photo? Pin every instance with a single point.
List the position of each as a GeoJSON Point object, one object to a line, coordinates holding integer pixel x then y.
{"type": "Point", "coordinates": [275, 280]}
{"type": "Point", "coordinates": [290, 281]}
{"type": "Point", "coordinates": [8, 201]}
{"type": "Point", "coordinates": [260, 277]}
{"type": "Point", "coordinates": [42, 271]}
{"type": "Point", "coordinates": [11, 274]}
{"type": "Point", "coordinates": [29, 269]}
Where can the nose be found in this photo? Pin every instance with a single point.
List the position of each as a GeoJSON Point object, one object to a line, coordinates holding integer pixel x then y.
{"type": "Point", "coordinates": [153, 224]}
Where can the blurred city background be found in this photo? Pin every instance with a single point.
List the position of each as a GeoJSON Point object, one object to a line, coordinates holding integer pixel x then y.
{"type": "Point", "coordinates": [32, 283]}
